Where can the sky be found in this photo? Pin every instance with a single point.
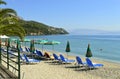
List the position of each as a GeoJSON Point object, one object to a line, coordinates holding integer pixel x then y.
{"type": "Point", "coordinates": [76, 16]}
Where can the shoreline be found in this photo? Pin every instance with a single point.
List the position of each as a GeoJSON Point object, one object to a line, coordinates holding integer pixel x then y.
{"type": "Point", "coordinates": [46, 70]}
{"type": "Point", "coordinates": [79, 45]}
{"type": "Point", "coordinates": [74, 54]}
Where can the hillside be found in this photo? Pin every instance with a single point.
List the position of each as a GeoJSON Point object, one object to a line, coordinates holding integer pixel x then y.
{"type": "Point", "coordinates": [36, 28]}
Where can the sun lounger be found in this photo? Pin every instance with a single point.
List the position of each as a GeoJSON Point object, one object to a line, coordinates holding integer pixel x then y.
{"type": "Point", "coordinates": [56, 58]}
{"type": "Point", "coordinates": [39, 53]}
{"type": "Point", "coordinates": [79, 61]}
{"type": "Point", "coordinates": [21, 49]}
{"type": "Point", "coordinates": [92, 65]}
{"type": "Point", "coordinates": [22, 57]}
{"type": "Point", "coordinates": [48, 56]}
{"type": "Point", "coordinates": [4, 50]}
{"type": "Point", "coordinates": [65, 60]}
{"type": "Point", "coordinates": [30, 60]}
{"type": "Point", "coordinates": [12, 54]}
{"type": "Point", "coordinates": [27, 50]}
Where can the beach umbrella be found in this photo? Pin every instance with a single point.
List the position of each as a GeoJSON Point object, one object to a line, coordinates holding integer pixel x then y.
{"type": "Point", "coordinates": [32, 47]}
{"type": "Point", "coordinates": [8, 45]}
{"type": "Point", "coordinates": [18, 45]}
{"type": "Point", "coordinates": [18, 59]}
{"type": "Point", "coordinates": [3, 36]}
{"type": "Point", "coordinates": [41, 42]}
{"type": "Point", "coordinates": [25, 40]}
{"type": "Point", "coordinates": [88, 53]}
{"type": "Point", "coordinates": [52, 43]}
{"type": "Point", "coordinates": [46, 42]}
{"type": "Point", "coordinates": [14, 40]}
{"type": "Point", "coordinates": [67, 47]}
{"type": "Point", "coordinates": [7, 42]}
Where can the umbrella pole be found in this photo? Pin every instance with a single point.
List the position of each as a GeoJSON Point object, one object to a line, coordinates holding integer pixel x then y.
{"type": "Point", "coordinates": [0, 50]}
{"type": "Point", "coordinates": [42, 48]}
{"type": "Point", "coordinates": [25, 44]}
{"type": "Point", "coordinates": [67, 54]}
{"type": "Point", "coordinates": [53, 48]}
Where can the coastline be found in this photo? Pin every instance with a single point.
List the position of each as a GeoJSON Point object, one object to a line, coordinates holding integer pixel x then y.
{"type": "Point", "coordinates": [46, 70]}
{"type": "Point", "coordinates": [82, 56]}
{"type": "Point", "coordinates": [79, 44]}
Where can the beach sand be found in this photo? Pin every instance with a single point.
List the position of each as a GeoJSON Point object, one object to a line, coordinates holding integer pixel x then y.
{"type": "Point", "coordinates": [45, 69]}
{"type": "Point", "coordinates": [49, 70]}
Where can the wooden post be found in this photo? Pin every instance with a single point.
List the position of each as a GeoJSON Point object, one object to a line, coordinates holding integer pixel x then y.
{"type": "Point", "coordinates": [18, 48]}
{"type": "Point", "coordinates": [7, 55]}
{"type": "Point", "coordinates": [0, 51]}
{"type": "Point", "coordinates": [18, 64]}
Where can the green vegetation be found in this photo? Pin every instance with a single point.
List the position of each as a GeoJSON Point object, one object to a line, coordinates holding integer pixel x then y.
{"type": "Point", "coordinates": [12, 25]}
{"type": "Point", "coordinates": [36, 28]}
{"type": "Point", "coordinates": [9, 22]}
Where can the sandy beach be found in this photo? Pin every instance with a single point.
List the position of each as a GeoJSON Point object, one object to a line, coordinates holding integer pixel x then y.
{"type": "Point", "coordinates": [46, 69]}
{"type": "Point", "coordinates": [49, 70]}
{"type": "Point", "coordinates": [89, 29]}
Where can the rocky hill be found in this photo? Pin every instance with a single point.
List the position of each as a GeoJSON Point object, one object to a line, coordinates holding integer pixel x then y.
{"type": "Point", "coordinates": [36, 28]}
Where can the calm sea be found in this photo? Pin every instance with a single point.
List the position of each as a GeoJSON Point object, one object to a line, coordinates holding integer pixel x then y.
{"type": "Point", "coordinates": [105, 47]}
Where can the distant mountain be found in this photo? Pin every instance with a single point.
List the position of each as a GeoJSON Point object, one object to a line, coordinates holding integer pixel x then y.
{"type": "Point", "coordinates": [93, 32]}
{"type": "Point", "coordinates": [36, 28]}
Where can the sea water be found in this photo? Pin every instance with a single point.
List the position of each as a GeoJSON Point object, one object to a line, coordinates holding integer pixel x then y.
{"type": "Point", "coordinates": [105, 47]}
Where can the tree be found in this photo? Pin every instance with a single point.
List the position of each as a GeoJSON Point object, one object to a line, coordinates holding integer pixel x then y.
{"type": "Point", "coordinates": [2, 2]}
{"type": "Point", "coordinates": [9, 22]}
